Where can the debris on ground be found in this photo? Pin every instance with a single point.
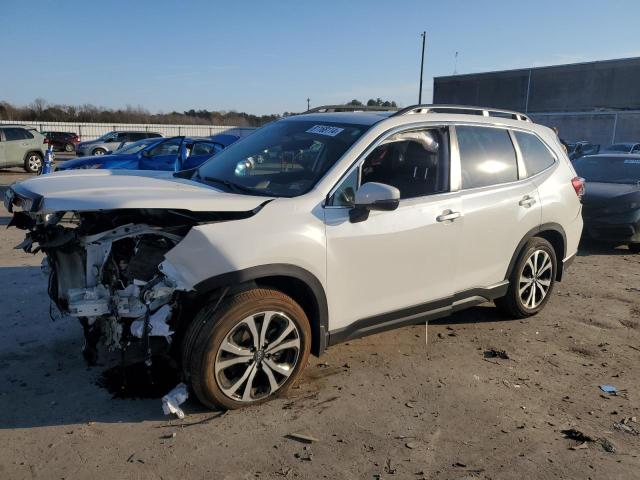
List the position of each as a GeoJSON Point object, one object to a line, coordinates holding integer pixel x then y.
{"type": "Point", "coordinates": [608, 446]}
{"type": "Point", "coordinates": [608, 389]}
{"type": "Point", "coordinates": [171, 401]}
{"type": "Point", "coordinates": [305, 456]}
{"type": "Point", "coordinates": [302, 437]}
{"type": "Point", "coordinates": [577, 435]}
{"type": "Point", "coordinates": [388, 468]}
{"type": "Point", "coordinates": [168, 436]}
{"type": "Point", "coordinates": [583, 438]}
{"type": "Point", "coordinates": [411, 445]}
{"type": "Point", "coordinates": [495, 353]}
{"type": "Point", "coordinates": [625, 426]}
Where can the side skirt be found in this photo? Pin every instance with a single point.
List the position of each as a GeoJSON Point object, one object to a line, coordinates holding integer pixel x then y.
{"type": "Point", "coordinates": [419, 313]}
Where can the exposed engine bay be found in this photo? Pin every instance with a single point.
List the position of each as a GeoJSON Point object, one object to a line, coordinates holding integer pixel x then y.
{"type": "Point", "coordinates": [104, 269]}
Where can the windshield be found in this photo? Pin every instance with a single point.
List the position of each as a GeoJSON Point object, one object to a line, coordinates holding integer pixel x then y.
{"type": "Point", "coordinates": [135, 147]}
{"type": "Point", "coordinates": [283, 159]}
{"type": "Point", "coordinates": [608, 169]}
{"type": "Point", "coordinates": [619, 147]}
{"type": "Point", "coordinates": [104, 137]}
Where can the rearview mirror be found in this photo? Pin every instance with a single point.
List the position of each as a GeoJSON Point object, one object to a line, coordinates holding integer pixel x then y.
{"type": "Point", "coordinates": [373, 196]}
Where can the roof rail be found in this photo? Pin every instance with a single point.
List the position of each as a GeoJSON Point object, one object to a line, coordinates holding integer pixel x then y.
{"type": "Point", "coordinates": [350, 108]}
{"type": "Point", "coordinates": [465, 110]}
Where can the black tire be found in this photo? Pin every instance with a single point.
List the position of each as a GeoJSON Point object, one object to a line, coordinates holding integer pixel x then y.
{"type": "Point", "coordinates": [69, 147]}
{"type": "Point", "coordinates": [512, 303]}
{"type": "Point", "coordinates": [634, 247]}
{"type": "Point", "coordinates": [33, 162]}
{"type": "Point", "coordinates": [204, 337]}
{"type": "Point", "coordinates": [99, 151]}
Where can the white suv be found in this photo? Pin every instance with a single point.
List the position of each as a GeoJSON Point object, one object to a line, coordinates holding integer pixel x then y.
{"type": "Point", "coordinates": [315, 229]}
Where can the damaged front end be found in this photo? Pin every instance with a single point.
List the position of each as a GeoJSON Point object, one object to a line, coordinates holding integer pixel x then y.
{"type": "Point", "coordinates": [103, 269]}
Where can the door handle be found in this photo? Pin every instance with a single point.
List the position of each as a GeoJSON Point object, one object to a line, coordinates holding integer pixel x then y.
{"type": "Point", "coordinates": [527, 201]}
{"type": "Point", "coordinates": [448, 215]}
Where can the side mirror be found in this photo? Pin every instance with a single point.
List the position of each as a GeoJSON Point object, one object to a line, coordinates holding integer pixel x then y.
{"type": "Point", "coordinates": [373, 196]}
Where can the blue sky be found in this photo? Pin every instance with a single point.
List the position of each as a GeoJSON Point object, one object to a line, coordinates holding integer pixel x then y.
{"type": "Point", "coordinates": [268, 56]}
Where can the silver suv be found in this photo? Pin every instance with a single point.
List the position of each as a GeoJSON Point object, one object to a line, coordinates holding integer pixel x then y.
{"type": "Point", "coordinates": [313, 230]}
{"type": "Point", "coordinates": [21, 146]}
{"type": "Point", "coordinates": [112, 141]}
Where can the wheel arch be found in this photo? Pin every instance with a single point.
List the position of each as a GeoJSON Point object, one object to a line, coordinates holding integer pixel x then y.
{"type": "Point", "coordinates": [554, 234]}
{"type": "Point", "coordinates": [296, 282]}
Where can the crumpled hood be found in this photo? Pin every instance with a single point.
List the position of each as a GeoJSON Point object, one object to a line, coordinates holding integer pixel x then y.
{"type": "Point", "coordinates": [91, 190]}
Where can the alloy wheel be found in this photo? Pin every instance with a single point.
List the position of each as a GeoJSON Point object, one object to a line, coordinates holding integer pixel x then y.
{"type": "Point", "coordinates": [535, 279]}
{"type": "Point", "coordinates": [34, 162]}
{"type": "Point", "coordinates": [257, 356]}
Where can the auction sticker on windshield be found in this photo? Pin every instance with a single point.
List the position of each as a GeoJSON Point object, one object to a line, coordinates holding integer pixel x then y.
{"type": "Point", "coordinates": [325, 130]}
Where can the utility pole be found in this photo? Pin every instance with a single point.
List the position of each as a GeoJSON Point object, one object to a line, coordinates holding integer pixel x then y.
{"type": "Point", "coordinates": [424, 37]}
{"type": "Point", "coordinates": [455, 64]}
{"type": "Point", "coordinates": [308, 104]}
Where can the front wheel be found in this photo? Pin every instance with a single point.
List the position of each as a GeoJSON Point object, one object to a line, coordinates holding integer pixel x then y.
{"type": "Point", "coordinates": [532, 280]}
{"type": "Point", "coordinates": [99, 151]}
{"type": "Point", "coordinates": [252, 348]}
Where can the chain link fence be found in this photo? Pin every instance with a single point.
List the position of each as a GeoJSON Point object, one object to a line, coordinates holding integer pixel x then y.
{"type": "Point", "coordinates": [91, 131]}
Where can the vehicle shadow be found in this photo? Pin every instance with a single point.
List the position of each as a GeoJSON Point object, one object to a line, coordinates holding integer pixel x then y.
{"type": "Point", "coordinates": [485, 313]}
{"type": "Point", "coordinates": [43, 378]}
{"type": "Point", "coordinates": [589, 247]}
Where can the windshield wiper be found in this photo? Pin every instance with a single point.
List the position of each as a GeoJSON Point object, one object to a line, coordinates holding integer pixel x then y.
{"type": "Point", "coordinates": [230, 185]}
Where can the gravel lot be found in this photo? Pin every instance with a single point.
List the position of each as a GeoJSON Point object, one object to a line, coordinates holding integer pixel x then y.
{"type": "Point", "coordinates": [395, 405]}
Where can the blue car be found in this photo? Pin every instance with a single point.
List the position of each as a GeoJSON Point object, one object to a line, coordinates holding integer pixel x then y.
{"type": "Point", "coordinates": [175, 153]}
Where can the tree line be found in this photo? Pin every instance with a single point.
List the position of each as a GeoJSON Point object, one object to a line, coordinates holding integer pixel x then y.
{"type": "Point", "coordinates": [42, 111]}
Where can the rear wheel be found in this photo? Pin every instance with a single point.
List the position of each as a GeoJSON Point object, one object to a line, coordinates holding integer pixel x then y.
{"type": "Point", "coordinates": [634, 247]}
{"type": "Point", "coordinates": [68, 147]}
{"type": "Point", "coordinates": [531, 281]}
{"type": "Point", "coordinates": [99, 151]}
{"type": "Point", "coordinates": [252, 348]}
{"type": "Point", "coordinates": [33, 162]}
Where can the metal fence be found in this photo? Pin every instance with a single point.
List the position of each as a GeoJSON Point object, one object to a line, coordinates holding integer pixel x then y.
{"type": "Point", "coordinates": [91, 131]}
{"type": "Point", "coordinates": [602, 127]}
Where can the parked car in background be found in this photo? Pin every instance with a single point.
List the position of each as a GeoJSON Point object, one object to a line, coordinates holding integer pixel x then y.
{"type": "Point", "coordinates": [576, 150]}
{"type": "Point", "coordinates": [625, 147]}
{"type": "Point", "coordinates": [611, 203]}
{"type": "Point", "coordinates": [21, 146]}
{"type": "Point", "coordinates": [347, 224]}
{"type": "Point", "coordinates": [111, 141]}
{"type": "Point", "coordinates": [66, 141]}
{"type": "Point", "coordinates": [175, 153]}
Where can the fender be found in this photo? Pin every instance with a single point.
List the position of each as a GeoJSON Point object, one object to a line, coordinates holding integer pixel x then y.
{"type": "Point", "coordinates": [319, 325]}
{"type": "Point", "coordinates": [532, 233]}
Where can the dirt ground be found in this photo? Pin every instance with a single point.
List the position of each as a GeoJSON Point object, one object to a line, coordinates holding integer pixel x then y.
{"type": "Point", "coordinates": [396, 405]}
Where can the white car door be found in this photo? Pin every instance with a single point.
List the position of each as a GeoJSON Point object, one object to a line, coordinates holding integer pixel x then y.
{"type": "Point", "coordinates": [498, 208]}
{"type": "Point", "coordinates": [396, 265]}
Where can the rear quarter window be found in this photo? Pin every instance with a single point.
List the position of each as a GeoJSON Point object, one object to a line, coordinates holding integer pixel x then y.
{"type": "Point", "coordinates": [535, 154]}
{"type": "Point", "coordinates": [487, 156]}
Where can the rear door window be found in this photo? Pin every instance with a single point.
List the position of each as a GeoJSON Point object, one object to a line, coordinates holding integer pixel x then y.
{"type": "Point", "coordinates": [16, 134]}
{"type": "Point", "coordinates": [535, 154]}
{"type": "Point", "coordinates": [487, 156]}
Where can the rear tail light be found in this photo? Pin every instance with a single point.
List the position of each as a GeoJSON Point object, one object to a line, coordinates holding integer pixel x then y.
{"type": "Point", "coordinates": [578, 185]}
